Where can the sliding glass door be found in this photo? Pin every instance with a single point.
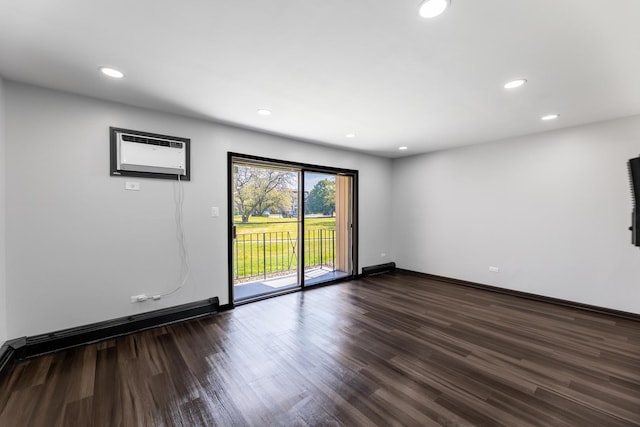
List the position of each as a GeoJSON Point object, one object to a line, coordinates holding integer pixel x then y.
{"type": "Point", "coordinates": [327, 227]}
{"type": "Point", "coordinates": [291, 226]}
{"type": "Point", "coordinates": [265, 226]}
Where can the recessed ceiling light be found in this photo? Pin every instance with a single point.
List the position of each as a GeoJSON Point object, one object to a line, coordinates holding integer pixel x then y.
{"type": "Point", "coordinates": [403, 148]}
{"type": "Point", "coordinates": [433, 8]}
{"type": "Point", "coordinates": [550, 117]}
{"type": "Point", "coordinates": [111, 72]}
{"type": "Point", "coordinates": [350, 135]}
{"type": "Point", "coordinates": [515, 83]}
{"type": "Point", "coordinates": [264, 112]}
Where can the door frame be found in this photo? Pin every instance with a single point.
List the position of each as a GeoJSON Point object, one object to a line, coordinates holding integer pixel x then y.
{"type": "Point", "coordinates": [304, 167]}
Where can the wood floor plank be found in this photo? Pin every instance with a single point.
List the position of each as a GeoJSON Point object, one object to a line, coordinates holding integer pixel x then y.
{"type": "Point", "coordinates": [396, 349]}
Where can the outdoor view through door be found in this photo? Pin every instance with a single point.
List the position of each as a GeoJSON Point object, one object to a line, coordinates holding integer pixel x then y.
{"type": "Point", "coordinates": [292, 226]}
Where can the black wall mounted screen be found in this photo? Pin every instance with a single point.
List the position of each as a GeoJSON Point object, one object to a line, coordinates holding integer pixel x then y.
{"type": "Point", "coordinates": [634, 178]}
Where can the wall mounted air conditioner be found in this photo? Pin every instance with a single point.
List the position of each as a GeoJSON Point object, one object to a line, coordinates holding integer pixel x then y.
{"type": "Point", "coordinates": [142, 154]}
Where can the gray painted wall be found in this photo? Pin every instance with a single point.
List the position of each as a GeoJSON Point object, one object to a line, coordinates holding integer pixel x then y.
{"type": "Point", "coordinates": [3, 276]}
{"type": "Point", "coordinates": [79, 245]}
{"type": "Point", "coordinates": [550, 210]}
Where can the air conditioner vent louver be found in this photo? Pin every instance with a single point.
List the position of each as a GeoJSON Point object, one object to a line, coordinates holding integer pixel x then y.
{"type": "Point", "coordinates": [151, 141]}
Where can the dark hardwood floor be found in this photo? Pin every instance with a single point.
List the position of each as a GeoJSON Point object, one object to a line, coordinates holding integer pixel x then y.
{"type": "Point", "coordinates": [393, 349]}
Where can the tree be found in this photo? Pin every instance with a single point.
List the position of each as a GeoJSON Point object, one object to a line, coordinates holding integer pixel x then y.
{"type": "Point", "coordinates": [322, 198]}
{"type": "Point", "coordinates": [257, 190]}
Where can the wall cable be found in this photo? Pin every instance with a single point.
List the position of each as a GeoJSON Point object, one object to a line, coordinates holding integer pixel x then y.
{"type": "Point", "coordinates": [185, 266]}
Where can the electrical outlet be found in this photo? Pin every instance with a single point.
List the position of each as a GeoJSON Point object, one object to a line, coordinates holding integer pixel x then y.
{"type": "Point", "coordinates": [383, 254]}
{"type": "Point", "coordinates": [494, 269]}
{"type": "Point", "coordinates": [215, 212]}
{"type": "Point", "coordinates": [132, 186]}
{"type": "Point", "coordinates": [139, 298]}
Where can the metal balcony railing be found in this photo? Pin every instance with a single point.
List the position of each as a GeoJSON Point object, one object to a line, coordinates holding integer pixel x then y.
{"type": "Point", "coordinates": [271, 254]}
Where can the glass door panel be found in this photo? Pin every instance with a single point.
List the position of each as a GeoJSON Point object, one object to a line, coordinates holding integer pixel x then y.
{"type": "Point", "coordinates": [291, 226]}
{"type": "Point", "coordinates": [266, 224]}
{"type": "Point", "coordinates": [327, 226]}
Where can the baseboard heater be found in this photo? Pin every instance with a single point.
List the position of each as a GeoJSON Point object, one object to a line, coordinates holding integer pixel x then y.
{"type": "Point", "coordinates": [8, 354]}
{"type": "Point", "coordinates": [25, 347]}
{"type": "Point", "coordinates": [378, 269]}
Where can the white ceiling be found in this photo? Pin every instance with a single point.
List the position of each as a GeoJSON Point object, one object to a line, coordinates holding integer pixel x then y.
{"type": "Point", "coordinates": [331, 67]}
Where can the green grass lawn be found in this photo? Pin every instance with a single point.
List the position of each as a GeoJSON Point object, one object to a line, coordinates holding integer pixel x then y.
{"type": "Point", "coordinates": [271, 244]}
{"type": "Point", "coordinates": [269, 224]}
